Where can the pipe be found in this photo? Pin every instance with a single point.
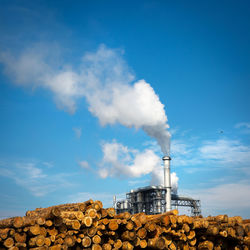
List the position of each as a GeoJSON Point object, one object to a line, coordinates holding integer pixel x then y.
{"type": "Point", "coordinates": [167, 181]}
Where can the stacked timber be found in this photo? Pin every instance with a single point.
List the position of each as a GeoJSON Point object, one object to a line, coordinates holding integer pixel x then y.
{"type": "Point", "coordinates": [88, 225]}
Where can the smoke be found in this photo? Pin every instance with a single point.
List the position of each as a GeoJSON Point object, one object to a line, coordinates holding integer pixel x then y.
{"type": "Point", "coordinates": [103, 78]}
{"type": "Point", "coordinates": [121, 161]}
{"type": "Point", "coordinates": [157, 178]}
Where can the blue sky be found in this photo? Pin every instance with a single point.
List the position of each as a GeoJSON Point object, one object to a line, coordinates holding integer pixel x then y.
{"type": "Point", "coordinates": [82, 89]}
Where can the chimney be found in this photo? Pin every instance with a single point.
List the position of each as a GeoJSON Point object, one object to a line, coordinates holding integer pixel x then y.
{"type": "Point", "coordinates": [167, 181]}
{"type": "Point", "coordinates": [114, 201]}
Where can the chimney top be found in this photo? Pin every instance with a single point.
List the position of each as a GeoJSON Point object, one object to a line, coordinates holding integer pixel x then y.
{"type": "Point", "coordinates": [166, 158]}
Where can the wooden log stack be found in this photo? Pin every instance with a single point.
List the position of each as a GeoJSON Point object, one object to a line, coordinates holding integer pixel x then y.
{"type": "Point", "coordinates": [88, 225]}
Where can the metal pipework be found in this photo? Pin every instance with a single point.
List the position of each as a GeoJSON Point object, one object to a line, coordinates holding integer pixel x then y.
{"type": "Point", "coordinates": [167, 181]}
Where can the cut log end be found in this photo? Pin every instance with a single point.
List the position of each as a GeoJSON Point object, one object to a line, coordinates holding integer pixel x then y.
{"type": "Point", "coordinates": [113, 225]}
{"type": "Point", "coordinates": [18, 222]}
{"type": "Point", "coordinates": [87, 221]}
{"type": "Point", "coordinates": [9, 242]}
{"type": "Point", "coordinates": [86, 241]}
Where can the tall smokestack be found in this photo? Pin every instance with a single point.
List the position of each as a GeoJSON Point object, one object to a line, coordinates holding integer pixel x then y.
{"type": "Point", "coordinates": [167, 181]}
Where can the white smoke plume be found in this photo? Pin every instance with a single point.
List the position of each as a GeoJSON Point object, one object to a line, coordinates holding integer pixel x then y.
{"type": "Point", "coordinates": [103, 78]}
{"type": "Point", "coordinates": [157, 178]}
{"type": "Point", "coordinates": [121, 161]}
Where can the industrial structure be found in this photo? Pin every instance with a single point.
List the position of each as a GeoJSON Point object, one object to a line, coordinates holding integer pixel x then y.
{"type": "Point", "coordinates": [156, 199]}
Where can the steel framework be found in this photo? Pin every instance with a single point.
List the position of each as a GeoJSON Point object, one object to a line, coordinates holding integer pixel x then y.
{"type": "Point", "coordinates": [151, 200]}
{"type": "Point", "coordinates": [180, 201]}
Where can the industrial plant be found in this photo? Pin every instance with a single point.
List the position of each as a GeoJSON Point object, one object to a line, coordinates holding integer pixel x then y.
{"type": "Point", "coordinates": [156, 199]}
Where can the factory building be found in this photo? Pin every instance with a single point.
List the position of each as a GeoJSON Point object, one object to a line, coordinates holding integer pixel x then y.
{"type": "Point", "coordinates": [156, 199]}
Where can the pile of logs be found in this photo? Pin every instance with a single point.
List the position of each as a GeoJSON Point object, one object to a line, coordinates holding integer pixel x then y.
{"type": "Point", "coordinates": [88, 225]}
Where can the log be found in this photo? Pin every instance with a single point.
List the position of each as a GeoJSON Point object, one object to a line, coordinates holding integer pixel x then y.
{"type": "Point", "coordinates": [13, 248]}
{"type": "Point", "coordinates": [48, 223]}
{"type": "Point", "coordinates": [34, 230]}
{"type": "Point", "coordinates": [111, 212]}
{"type": "Point", "coordinates": [64, 207]}
{"type": "Point", "coordinates": [9, 242]}
{"type": "Point", "coordinates": [130, 225]}
{"type": "Point", "coordinates": [47, 241]}
{"type": "Point", "coordinates": [20, 237]}
{"type": "Point", "coordinates": [97, 205]}
{"type": "Point", "coordinates": [208, 245]}
{"type": "Point", "coordinates": [93, 227]}
{"type": "Point", "coordinates": [191, 234]}
{"type": "Point", "coordinates": [56, 247]}
{"type": "Point", "coordinates": [126, 245]}
{"type": "Point", "coordinates": [103, 213]}
{"type": "Point", "coordinates": [125, 215]}
{"type": "Point", "coordinates": [87, 220]}
{"type": "Point", "coordinates": [150, 226]}
{"type": "Point", "coordinates": [165, 220]}
{"type": "Point", "coordinates": [107, 246]}
{"type": "Point", "coordinates": [222, 218]}
{"type": "Point", "coordinates": [183, 237]}
{"type": "Point", "coordinates": [16, 222]}
{"type": "Point", "coordinates": [200, 224]}
{"type": "Point", "coordinates": [117, 244]}
{"type": "Point", "coordinates": [193, 242]}
{"type": "Point", "coordinates": [172, 246]}
{"type": "Point", "coordinates": [136, 242]}
{"type": "Point", "coordinates": [246, 221]}
{"type": "Point", "coordinates": [53, 238]}
{"type": "Point", "coordinates": [246, 240]}
{"type": "Point", "coordinates": [231, 232]}
{"type": "Point", "coordinates": [143, 244]}
{"type": "Point", "coordinates": [21, 245]}
{"type": "Point", "coordinates": [69, 241]}
{"type": "Point", "coordinates": [162, 242]}
{"type": "Point", "coordinates": [96, 239]}
{"type": "Point", "coordinates": [142, 233]}
{"type": "Point", "coordinates": [40, 239]}
{"type": "Point", "coordinates": [52, 231]}
{"type": "Point", "coordinates": [43, 231]}
{"type": "Point", "coordinates": [92, 213]}
{"type": "Point", "coordinates": [185, 227]}
{"type": "Point", "coordinates": [137, 223]}
{"type": "Point", "coordinates": [152, 242]}
{"type": "Point", "coordinates": [113, 224]}
{"type": "Point", "coordinates": [155, 217]}
{"type": "Point", "coordinates": [59, 240]}
{"type": "Point", "coordinates": [173, 220]}
{"type": "Point", "coordinates": [128, 236]}
{"type": "Point", "coordinates": [96, 247]}
{"type": "Point", "coordinates": [40, 221]}
{"type": "Point", "coordinates": [239, 230]}
{"type": "Point", "coordinates": [141, 217]}
{"type": "Point", "coordinates": [86, 241]}
{"type": "Point", "coordinates": [235, 220]}
{"type": "Point", "coordinates": [213, 230]}
{"type": "Point", "coordinates": [4, 233]}
{"type": "Point", "coordinates": [91, 231]}
{"type": "Point", "coordinates": [223, 233]}
{"type": "Point", "coordinates": [46, 213]}
{"type": "Point", "coordinates": [104, 221]}
{"type": "Point", "coordinates": [73, 224]}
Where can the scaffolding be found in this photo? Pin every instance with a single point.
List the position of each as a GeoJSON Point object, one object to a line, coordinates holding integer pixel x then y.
{"type": "Point", "coordinates": [151, 200]}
